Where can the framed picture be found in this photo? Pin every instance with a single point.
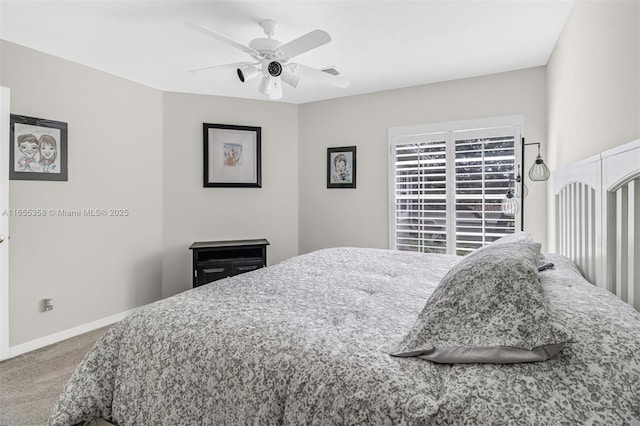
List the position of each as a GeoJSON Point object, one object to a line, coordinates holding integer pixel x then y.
{"type": "Point", "coordinates": [341, 167]}
{"type": "Point", "coordinates": [38, 149]}
{"type": "Point", "coordinates": [232, 156]}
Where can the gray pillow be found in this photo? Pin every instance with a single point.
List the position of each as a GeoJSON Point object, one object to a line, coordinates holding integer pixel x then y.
{"type": "Point", "coordinates": [543, 265]}
{"type": "Point", "coordinates": [518, 237]}
{"type": "Point", "coordinates": [489, 308]}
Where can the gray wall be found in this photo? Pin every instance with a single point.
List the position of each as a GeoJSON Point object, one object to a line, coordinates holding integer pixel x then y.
{"type": "Point", "coordinates": [92, 267]}
{"type": "Point", "coordinates": [193, 213]}
{"type": "Point", "coordinates": [359, 217]}
{"type": "Point", "coordinates": [594, 83]}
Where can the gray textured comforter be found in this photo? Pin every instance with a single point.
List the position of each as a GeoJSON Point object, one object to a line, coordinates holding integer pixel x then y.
{"type": "Point", "coordinates": [307, 342]}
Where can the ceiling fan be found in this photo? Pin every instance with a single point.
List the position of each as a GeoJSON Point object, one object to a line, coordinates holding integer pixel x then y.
{"type": "Point", "coordinates": [271, 59]}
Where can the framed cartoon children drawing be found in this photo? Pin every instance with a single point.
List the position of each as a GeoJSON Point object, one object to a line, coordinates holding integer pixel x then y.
{"type": "Point", "coordinates": [38, 149]}
{"type": "Point", "coordinates": [232, 156]}
{"type": "Point", "coordinates": [341, 167]}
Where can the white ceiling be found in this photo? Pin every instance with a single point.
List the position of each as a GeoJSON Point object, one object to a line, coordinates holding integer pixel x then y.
{"type": "Point", "coordinates": [377, 45]}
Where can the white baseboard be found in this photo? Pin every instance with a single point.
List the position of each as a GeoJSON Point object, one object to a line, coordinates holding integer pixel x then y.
{"type": "Point", "coordinates": [63, 335]}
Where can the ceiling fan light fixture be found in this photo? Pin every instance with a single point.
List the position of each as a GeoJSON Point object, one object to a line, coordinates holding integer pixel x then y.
{"type": "Point", "coordinates": [246, 72]}
{"type": "Point", "coordinates": [290, 78]}
{"type": "Point", "coordinates": [276, 88]}
{"type": "Point", "coordinates": [265, 85]}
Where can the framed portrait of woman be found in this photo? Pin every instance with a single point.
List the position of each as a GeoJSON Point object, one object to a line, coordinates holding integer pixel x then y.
{"type": "Point", "coordinates": [341, 167]}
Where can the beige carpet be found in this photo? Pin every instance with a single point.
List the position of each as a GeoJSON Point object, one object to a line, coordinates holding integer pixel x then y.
{"type": "Point", "coordinates": [30, 383]}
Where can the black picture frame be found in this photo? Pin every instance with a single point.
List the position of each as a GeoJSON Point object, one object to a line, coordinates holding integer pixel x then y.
{"type": "Point", "coordinates": [341, 167]}
{"type": "Point", "coordinates": [38, 149]}
{"type": "Point", "coordinates": [232, 156]}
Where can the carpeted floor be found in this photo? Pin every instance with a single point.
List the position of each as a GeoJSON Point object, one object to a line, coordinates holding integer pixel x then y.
{"type": "Point", "coordinates": [30, 383]}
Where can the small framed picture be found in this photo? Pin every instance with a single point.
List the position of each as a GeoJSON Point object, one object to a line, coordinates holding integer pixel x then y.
{"type": "Point", "coordinates": [232, 156]}
{"type": "Point", "coordinates": [38, 149]}
{"type": "Point", "coordinates": [341, 167]}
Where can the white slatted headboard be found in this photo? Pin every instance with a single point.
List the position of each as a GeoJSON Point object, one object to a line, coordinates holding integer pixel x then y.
{"type": "Point", "coordinates": [598, 219]}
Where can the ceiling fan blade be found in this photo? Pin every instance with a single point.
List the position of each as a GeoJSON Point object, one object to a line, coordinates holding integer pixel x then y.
{"type": "Point", "coordinates": [323, 76]}
{"type": "Point", "coordinates": [223, 38]}
{"type": "Point", "coordinates": [234, 65]}
{"type": "Point", "coordinates": [304, 43]}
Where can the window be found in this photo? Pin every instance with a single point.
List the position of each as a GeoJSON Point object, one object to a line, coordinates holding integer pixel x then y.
{"type": "Point", "coordinates": [447, 187]}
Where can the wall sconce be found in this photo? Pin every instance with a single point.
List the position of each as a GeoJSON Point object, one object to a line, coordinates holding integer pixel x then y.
{"type": "Point", "coordinates": [521, 189]}
{"type": "Point", "coordinates": [510, 204]}
{"type": "Point", "coordinates": [539, 171]}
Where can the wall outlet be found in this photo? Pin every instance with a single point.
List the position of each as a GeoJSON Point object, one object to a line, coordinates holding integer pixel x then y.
{"type": "Point", "coordinates": [47, 304]}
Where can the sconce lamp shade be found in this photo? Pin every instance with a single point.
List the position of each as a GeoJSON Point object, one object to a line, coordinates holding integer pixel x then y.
{"type": "Point", "coordinates": [539, 171]}
{"type": "Point", "coordinates": [510, 205]}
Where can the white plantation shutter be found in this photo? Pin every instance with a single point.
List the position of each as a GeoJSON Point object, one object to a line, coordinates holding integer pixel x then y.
{"type": "Point", "coordinates": [420, 188]}
{"type": "Point", "coordinates": [447, 188]}
{"type": "Point", "coordinates": [484, 163]}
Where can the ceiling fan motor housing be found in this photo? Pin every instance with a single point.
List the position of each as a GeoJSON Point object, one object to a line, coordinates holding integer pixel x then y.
{"type": "Point", "coordinates": [266, 46]}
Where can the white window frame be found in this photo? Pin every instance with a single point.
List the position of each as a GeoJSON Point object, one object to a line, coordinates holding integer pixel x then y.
{"type": "Point", "coordinates": [402, 134]}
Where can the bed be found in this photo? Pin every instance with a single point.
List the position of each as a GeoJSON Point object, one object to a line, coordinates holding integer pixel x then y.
{"type": "Point", "coordinates": [325, 338]}
{"type": "Point", "coordinates": [597, 219]}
